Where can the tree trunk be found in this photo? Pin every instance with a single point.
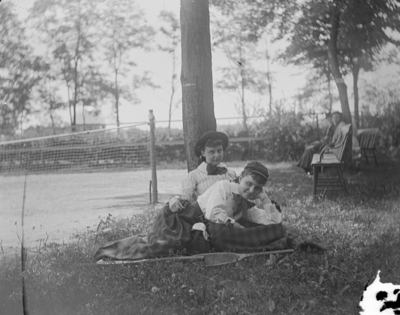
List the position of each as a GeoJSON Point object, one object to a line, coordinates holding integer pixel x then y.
{"type": "Point", "coordinates": [269, 78]}
{"type": "Point", "coordinates": [242, 100]}
{"type": "Point", "coordinates": [328, 75]}
{"type": "Point", "coordinates": [242, 91]}
{"type": "Point", "coordinates": [356, 71]}
{"type": "Point", "coordinates": [116, 96]}
{"type": "Point", "coordinates": [83, 117]}
{"type": "Point", "coordinates": [170, 108]}
{"type": "Point", "coordinates": [53, 127]}
{"type": "Point", "coordinates": [75, 100]}
{"type": "Point", "coordinates": [334, 64]}
{"type": "Point", "coordinates": [173, 78]}
{"type": "Point", "coordinates": [196, 76]}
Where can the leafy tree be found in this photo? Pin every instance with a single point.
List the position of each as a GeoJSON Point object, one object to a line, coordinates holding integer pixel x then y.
{"type": "Point", "coordinates": [240, 48]}
{"type": "Point", "coordinates": [47, 95]}
{"type": "Point", "coordinates": [19, 71]}
{"type": "Point", "coordinates": [317, 90]}
{"type": "Point", "coordinates": [350, 31]}
{"type": "Point", "coordinates": [269, 75]}
{"type": "Point", "coordinates": [124, 29]}
{"type": "Point", "coordinates": [312, 42]}
{"type": "Point", "coordinates": [172, 32]}
{"type": "Point", "coordinates": [196, 76]}
{"type": "Point", "coordinates": [70, 30]}
{"type": "Point", "coordinates": [93, 91]}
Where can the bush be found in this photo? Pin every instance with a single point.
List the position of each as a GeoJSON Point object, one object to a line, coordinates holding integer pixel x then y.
{"type": "Point", "coordinates": [286, 137]}
{"type": "Point", "coordinates": [388, 122]}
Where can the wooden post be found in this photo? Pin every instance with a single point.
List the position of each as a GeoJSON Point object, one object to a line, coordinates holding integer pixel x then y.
{"type": "Point", "coordinates": [153, 156]}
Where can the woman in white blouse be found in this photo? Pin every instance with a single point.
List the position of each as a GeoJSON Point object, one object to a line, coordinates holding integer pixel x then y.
{"type": "Point", "coordinates": [210, 150]}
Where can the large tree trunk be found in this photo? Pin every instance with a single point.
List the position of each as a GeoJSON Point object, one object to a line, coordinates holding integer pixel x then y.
{"type": "Point", "coordinates": [334, 64]}
{"type": "Point", "coordinates": [356, 71]}
{"type": "Point", "coordinates": [196, 76]}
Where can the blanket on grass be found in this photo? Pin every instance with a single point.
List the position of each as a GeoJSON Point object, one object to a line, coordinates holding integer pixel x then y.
{"type": "Point", "coordinates": [172, 233]}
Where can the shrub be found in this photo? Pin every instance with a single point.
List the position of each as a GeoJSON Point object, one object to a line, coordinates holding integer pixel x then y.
{"type": "Point", "coordinates": [286, 136]}
{"type": "Point", "coordinates": [388, 122]}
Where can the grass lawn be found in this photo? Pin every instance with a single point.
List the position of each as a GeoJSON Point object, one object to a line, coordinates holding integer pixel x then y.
{"type": "Point", "coordinates": [362, 231]}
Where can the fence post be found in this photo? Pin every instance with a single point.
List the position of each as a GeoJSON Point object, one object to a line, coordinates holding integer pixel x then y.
{"type": "Point", "coordinates": [154, 198]}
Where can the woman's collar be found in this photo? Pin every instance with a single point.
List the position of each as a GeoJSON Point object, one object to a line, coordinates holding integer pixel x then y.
{"type": "Point", "coordinates": [203, 166]}
{"type": "Point", "coordinates": [235, 188]}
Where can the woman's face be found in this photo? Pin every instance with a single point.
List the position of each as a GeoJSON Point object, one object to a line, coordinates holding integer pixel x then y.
{"type": "Point", "coordinates": [249, 188]}
{"type": "Point", "coordinates": [336, 119]}
{"type": "Point", "coordinates": [213, 155]}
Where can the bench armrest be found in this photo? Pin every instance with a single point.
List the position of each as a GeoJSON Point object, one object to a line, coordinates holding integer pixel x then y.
{"type": "Point", "coordinates": [326, 149]}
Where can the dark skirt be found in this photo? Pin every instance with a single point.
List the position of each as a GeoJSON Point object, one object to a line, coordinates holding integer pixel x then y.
{"type": "Point", "coordinates": [306, 158]}
{"type": "Point", "coordinates": [171, 233]}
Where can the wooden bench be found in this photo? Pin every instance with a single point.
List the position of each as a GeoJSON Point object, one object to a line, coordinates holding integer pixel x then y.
{"type": "Point", "coordinates": [367, 139]}
{"type": "Point", "coordinates": [327, 166]}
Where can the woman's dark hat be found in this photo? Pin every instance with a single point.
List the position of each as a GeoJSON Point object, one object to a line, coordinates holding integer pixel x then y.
{"type": "Point", "coordinates": [210, 135]}
{"type": "Point", "coordinates": [257, 168]}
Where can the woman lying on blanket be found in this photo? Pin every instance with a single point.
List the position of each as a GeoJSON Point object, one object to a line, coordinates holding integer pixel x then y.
{"type": "Point", "coordinates": [221, 219]}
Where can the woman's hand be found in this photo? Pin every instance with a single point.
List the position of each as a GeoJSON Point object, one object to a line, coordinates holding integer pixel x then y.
{"type": "Point", "coordinates": [174, 204]}
{"type": "Point", "coordinates": [238, 226]}
{"type": "Point", "coordinates": [263, 197]}
{"type": "Point", "coordinates": [233, 224]}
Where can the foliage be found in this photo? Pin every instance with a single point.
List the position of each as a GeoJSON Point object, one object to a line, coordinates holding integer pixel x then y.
{"type": "Point", "coordinates": [384, 98]}
{"type": "Point", "coordinates": [47, 94]}
{"type": "Point", "coordinates": [124, 29]}
{"type": "Point", "coordinates": [316, 95]}
{"type": "Point", "coordinates": [361, 34]}
{"type": "Point", "coordinates": [390, 129]}
{"type": "Point", "coordinates": [349, 33]}
{"type": "Point", "coordinates": [171, 31]}
{"type": "Point", "coordinates": [388, 122]}
{"type": "Point", "coordinates": [19, 71]}
{"type": "Point", "coordinates": [283, 135]}
{"type": "Point", "coordinates": [286, 137]}
{"type": "Point", "coordinates": [70, 31]}
{"type": "Point", "coordinates": [361, 231]}
{"type": "Point", "coordinates": [241, 75]}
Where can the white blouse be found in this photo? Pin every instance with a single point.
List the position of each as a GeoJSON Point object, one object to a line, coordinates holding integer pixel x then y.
{"type": "Point", "coordinates": [218, 205]}
{"type": "Point", "coordinates": [197, 181]}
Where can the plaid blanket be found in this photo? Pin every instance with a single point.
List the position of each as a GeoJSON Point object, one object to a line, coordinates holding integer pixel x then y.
{"type": "Point", "coordinates": [171, 232]}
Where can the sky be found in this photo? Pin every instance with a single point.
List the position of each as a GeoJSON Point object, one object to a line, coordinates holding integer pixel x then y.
{"type": "Point", "coordinates": [288, 79]}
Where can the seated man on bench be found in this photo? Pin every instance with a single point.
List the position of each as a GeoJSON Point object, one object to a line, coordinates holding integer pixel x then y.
{"type": "Point", "coordinates": [329, 140]}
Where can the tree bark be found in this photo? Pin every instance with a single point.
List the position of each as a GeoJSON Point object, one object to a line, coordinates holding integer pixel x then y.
{"type": "Point", "coordinates": [328, 77]}
{"type": "Point", "coordinates": [173, 87]}
{"type": "Point", "coordinates": [356, 71]}
{"type": "Point", "coordinates": [242, 91]}
{"type": "Point", "coordinates": [334, 64]}
{"type": "Point", "coordinates": [269, 79]}
{"type": "Point", "coordinates": [196, 75]}
{"type": "Point", "coordinates": [116, 96]}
